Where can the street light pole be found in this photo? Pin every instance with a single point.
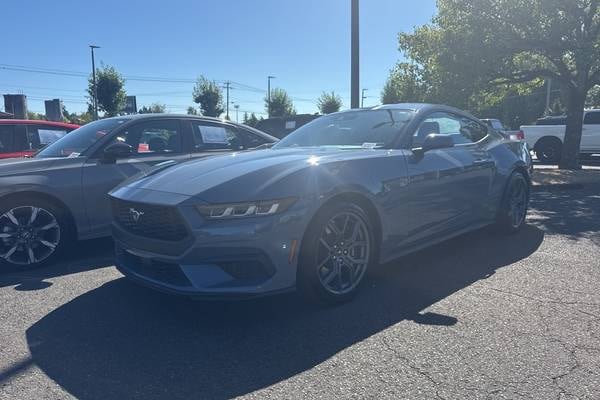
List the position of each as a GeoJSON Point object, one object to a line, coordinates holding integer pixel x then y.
{"type": "Point", "coordinates": [237, 108]}
{"type": "Point", "coordinates": [269, 95]}
{"type": "Point", "coordinates": [362, 98]}
{"type": "Point", "coordinates": [227, 85]}
{"type": "Point", "coordinates": [354, 64]}
{"type": "Point", "coordinates": [92, 47]}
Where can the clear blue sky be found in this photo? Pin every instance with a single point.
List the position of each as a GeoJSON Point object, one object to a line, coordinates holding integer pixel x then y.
{"type": "Point", "coordinates": [304, 43]}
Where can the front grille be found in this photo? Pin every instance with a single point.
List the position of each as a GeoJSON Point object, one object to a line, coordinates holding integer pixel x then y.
{"type": "Point", "coordinates": [154, 222]}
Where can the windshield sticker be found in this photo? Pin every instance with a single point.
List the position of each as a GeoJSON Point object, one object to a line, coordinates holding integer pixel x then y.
{"type": "Point", "coordinates": [369, 145]}
{"type": "Point", "coordinates": [73, 155]}
{"type": "Point", "coordinates": [214, 134]}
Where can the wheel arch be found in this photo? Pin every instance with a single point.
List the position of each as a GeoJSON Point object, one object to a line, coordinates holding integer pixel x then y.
{"type": "Point", "coordinates": [546, 139]}
{"type": "Point", "coordinates": [28, 194]}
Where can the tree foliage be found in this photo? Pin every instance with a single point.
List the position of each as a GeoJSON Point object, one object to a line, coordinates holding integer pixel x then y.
{"type": "Point", "coordinates": [191, 110]}
{"type": "Point", "coordinates": [154, 108]}
{"type": "Point", "coordinates": [329, 103]}
{"type": "Point", "coordinates": [281, 104]}
{"type": "Point", "coordinates": [471, 44]}
{"type": "Point", "coordinates": [110, 90]}
{"type": "Point", "coordinates": [250, 120]}
{"type": "Point", "coordinates": [210, 97]}
{"type": "Point", "coordinates": [404, 85]}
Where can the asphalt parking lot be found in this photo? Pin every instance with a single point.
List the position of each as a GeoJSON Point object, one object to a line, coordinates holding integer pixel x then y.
{"type": "Point", "coordinates": [482, 316]}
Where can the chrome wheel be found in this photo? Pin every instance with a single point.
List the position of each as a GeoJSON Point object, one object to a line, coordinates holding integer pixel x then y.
{"type": "Point", "coordinates": [28, 235]}
{"type": "Point", "coordinates": [343, 252]}
{"type": "Point", "coordinates": [517, 202]}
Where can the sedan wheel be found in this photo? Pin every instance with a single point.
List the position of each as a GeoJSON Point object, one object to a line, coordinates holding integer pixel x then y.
{"type": "Point", "coordinates": [29, 235]}
{"type": "Point", "coordinates": [336, 254]}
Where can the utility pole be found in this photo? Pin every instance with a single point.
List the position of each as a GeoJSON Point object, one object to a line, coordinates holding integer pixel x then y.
{"type": "Point", "coordinates": [354, 64]}
{"type": "Point", "coordinates": [227, 86]}
{"type": "Point", "coordinates": [237, 109]}
{"type": "Point", "coordinates": [362, 98]}
{"type": "Point", "coordinates": [95, 100]}
{"type": "Point", "coordinates": [269, 95]}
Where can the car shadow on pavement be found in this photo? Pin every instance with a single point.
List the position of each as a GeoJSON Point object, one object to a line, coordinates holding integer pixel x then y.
{"type": "Point", "coordinates": [124, 341]}
{"type": "Point", "coordinates": [83, 256]}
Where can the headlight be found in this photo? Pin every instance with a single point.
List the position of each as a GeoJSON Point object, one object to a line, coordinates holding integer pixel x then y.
{"type": "Point", "coordinates": [250, 209]}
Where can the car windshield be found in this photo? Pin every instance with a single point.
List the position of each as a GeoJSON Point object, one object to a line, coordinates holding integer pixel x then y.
{"type": "Point", "coordinates": [81, 139]}
{"type": "Point", "coordinates": [351, 129]}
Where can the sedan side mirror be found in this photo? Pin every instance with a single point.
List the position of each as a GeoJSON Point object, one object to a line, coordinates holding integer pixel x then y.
{"type": "Point", "coordinates": [117, 150]}
{"type": "Point", "coordinates": [435, 141]}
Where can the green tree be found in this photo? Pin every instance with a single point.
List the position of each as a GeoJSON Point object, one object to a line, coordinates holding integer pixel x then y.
{"type": "Point", "coordinates": [281, 104]}
{"type": "Point", "coordinates": [35, 116]}
{"type": "Point", "coordinates": [329, 103]}
{"type": "Point", "coordinates": [250, 120]}
{"type": "Point", "coordinates": [154, 108]}
{"type": "Point", "coordinates": [191, 110]}
{"type": "Point", "coordinates": [472, 43]}
{"type": "Point", "coordinates": [404, 85]}
{"type": "Point", "coordinates": [210, 97]}
{"type": "Point", "coordinates": [111, 92]}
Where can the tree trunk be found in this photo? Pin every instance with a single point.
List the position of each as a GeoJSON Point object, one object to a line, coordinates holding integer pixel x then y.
{"type": "Point", "coordinates": [572, 142]}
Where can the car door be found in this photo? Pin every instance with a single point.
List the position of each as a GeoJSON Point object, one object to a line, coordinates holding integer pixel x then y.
{"type": "Point", "coordinates": [590, 136]}
{"type": "Point", "coordinates": [153, 141]}
{"type": "Point", "coordinates": [446, 187]}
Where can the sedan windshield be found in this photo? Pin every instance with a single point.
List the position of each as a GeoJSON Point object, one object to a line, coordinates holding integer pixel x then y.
{"type": "Point", "coordinates": [351, 129]}
{"type": "Point", "coordinates": [78, 141]}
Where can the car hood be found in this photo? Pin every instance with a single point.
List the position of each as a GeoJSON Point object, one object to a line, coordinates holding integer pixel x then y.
{"type": "Point", "coordinates": [15, 166]}
{"type": "Point", "coordinates": [244, 175]}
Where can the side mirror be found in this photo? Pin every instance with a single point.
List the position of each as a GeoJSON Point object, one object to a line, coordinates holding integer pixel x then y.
{"type": "Point", "coordinates": [117, 150]}
{"type": "Point", "coordinates": [435, 141]}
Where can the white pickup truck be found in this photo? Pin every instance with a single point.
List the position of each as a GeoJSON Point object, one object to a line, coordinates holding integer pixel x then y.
{"type": "Point", "coordinates": [547, 140]}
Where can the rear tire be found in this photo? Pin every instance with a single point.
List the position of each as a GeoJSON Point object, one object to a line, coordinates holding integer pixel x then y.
{"type": "Point", "coordinates": [33, 232]}
{"type": "Point", "coordinates": [548, 151]}
{"type": "Point", "coordinates": [337, 251]}
{"type": "Point", "coordinates": [513, 209]}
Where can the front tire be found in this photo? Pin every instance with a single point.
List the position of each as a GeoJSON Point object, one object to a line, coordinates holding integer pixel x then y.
{"type": "Point", "coordinates": [337, 251]}
{"type": "Point", "coordinates": [32, 233]}
{"type": "Point", "coordinates": [513, 209]}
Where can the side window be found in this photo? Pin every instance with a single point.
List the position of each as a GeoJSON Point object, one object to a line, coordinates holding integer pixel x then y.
{"type": "Point", "coordinates": [592, 118]}
{"type": "Point", "coordinates": [153, 137]}
{"type": "Point", "coordinates": [7, 138]}
{"type": "Point", "coordinates": [21, 143]}
{"type": "Point", "coordinates": [250, 139]}
{"type": "Point", "coordinates": [462, 130]}
{"type": "Point", "coordinates": [209, 137]}
{"type": "Point", "coordinates": [472, 131]}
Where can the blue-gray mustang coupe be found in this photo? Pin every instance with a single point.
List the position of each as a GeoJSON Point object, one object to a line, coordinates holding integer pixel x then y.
{"type": "Point", "coordinates": [322, 206]}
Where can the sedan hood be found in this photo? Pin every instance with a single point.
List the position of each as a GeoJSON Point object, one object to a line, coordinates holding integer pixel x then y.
{"type": "Point", "coordinates": [13, 166]}
{"type": "Point", "coordinates": [240, 176]}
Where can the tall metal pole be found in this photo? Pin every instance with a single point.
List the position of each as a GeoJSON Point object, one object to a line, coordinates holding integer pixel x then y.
{"type": "Point", "coordinates": [269, 95]}
{"type": "Point", "coordinates": [92, 47]}
{"type": "Point", "coordinates": [362, 98]}
{"type": "Point", "coordinates": [355, 77]}
{"type": "Point", "coordinates": [237, 109]}
{"type": "Point", "coordinates": [227, 84]}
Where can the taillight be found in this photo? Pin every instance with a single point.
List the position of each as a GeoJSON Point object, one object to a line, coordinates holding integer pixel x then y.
{"type": "Point", "coordinates": [519, 135]}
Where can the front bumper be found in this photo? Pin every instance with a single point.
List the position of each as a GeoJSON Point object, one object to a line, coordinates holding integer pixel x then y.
{"type": "Point", "coordinates": [243, 257]}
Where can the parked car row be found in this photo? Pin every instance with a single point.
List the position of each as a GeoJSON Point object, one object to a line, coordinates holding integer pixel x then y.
{"type": "Point", "coordinates": [22, 138]}
{"type": "Point", "coordinates": [206, 208]}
